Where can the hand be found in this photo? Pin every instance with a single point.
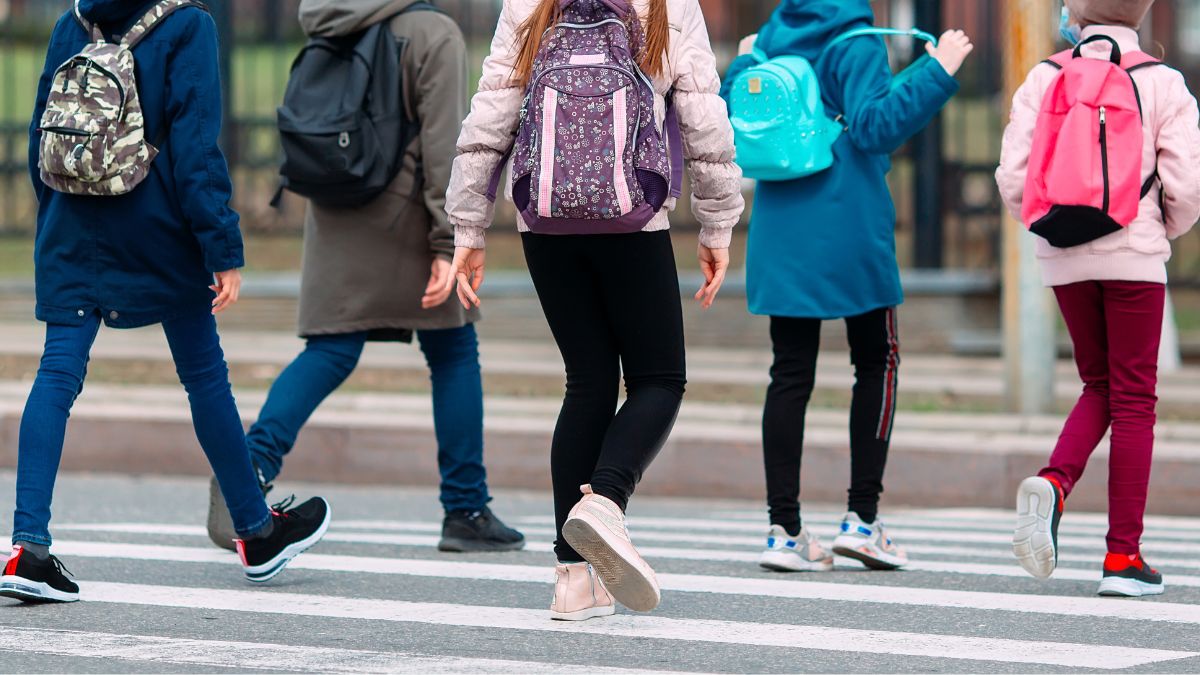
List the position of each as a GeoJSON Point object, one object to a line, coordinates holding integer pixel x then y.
{"type": "Point", "coordinates": [467, 270]}
{"type": "Point", "coordinates": [747, 44]}
{"type": "Point", "coordinates": [437, 291]}
{"type": "Point", "coordinates": [953, 48]}
{"type": "Point", "coordinates": [714, 262]}
{"type": "Point", "coordinates": [227, 287]}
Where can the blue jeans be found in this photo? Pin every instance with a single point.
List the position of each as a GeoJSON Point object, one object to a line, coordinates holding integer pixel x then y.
{"type": "Point", "coordinates": [200, 364]}
{"type": "Point", "coordinates": [326, 362]}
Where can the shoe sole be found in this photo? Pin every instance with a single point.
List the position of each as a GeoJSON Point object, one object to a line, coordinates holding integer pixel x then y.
{"type": "Point", "coordinates": [22, 589]}
{"type": "Point", "coordinates": [628, 578]}
{"type": "Point", "coordinates": [220, 523]}
{"type": "Point", "coordinates": [277, 564]}
{"type": "Point", "coordinates": [782, 561]}
{"type": "Point", "coordinates": [872, 558]}
{"type": "Point", "coordinates": [455, 545]}
{"type": "Point", "coordinates": [1120, 587]}
{"type": "Point", "coordinates": [583, 614]}
{"type": "Point", "coordinates": [1033, 540]}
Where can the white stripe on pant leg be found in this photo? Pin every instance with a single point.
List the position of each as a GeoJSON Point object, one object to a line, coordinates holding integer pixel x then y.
{"type": "Point", "coordinates": [640, 626]}
{"type": "Point", "coordinates": [257, 655]}
{"type": "Point", "coordinates": [688, 583]}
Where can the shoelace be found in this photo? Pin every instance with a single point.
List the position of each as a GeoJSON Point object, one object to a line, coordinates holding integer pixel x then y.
{"type": "Point", "coordinates": [281, 508]}
{"type": "Point", "coordinates": [62, 569]}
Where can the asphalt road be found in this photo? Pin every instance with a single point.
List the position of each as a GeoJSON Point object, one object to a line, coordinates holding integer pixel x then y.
{"type": "Point", "coordinates": [376, 597]}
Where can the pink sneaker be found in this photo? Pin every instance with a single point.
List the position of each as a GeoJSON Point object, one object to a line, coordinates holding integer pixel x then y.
{"type": "Point", "coordinates": [596, 529]}
{"type": "Point", "coordinates": [578, 594]}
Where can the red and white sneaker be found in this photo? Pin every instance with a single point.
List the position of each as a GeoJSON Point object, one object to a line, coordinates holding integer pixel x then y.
{"type": "Point", "coordinates": [1129, 576]}
{"type": "Point", "coordinates": [1039, 511]}
{"type": "Point", "coordinates": [28, 579]}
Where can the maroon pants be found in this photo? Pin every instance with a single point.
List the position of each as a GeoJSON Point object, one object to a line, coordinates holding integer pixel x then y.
{"type": "Point", "coordinates": [1116, 327]}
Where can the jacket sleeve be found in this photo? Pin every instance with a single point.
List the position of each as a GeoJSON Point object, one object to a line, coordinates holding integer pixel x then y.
{"type": "Point", "coordinates": [739, 66]}
{"type": "Point", "coordinates": [1178, 148]}
{"type": "Point", "coordinates": [66, 23]}
{"type": "Point", "coordinates": [487, 135]}
{"type": "Point", "coordinates": [441, 84]}
{"type": "Point", "coordinates": [880, 112]}
{"type": "Point", "coordinates": [193, 123]}
{"type": "Point", "coordinates": [707, 137]}
{"type": "Point", "coordinates": [1014, 150]}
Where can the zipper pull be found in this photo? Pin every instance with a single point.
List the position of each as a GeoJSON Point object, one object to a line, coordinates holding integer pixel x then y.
{"type": "Point", "coordinates": [1103, 114]}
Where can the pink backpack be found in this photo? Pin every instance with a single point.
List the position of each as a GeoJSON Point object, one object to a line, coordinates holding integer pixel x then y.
{"type": "Point", "coordinates": [1085, 167]}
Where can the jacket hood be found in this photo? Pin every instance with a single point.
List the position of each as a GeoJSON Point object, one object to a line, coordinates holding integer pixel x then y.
{"type": "Point", "coordinates": [332, 18]}
{"type": "Point", "coordinates": [108, 12]}
{"type": "Point", "coordinates": [804, 27]}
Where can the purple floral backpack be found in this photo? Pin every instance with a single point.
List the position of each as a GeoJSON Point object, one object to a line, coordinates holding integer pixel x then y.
{"type": "Point", "coordinates": [589, 157]}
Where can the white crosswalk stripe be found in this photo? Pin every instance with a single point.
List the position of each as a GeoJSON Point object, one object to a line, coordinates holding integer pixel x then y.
{"type": "Point", "coordinates": [258, 655]}
{"type": "Point", "coordinates": [712, 556]}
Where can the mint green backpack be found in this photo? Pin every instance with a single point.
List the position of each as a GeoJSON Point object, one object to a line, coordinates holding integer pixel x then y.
{"type": "Point", "coordinates": [778, 117]}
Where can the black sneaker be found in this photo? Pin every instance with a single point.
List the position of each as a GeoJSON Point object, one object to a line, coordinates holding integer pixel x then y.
{"type": "Point", "coordinates": [296, 531]}
{"type": "Point", "coordinates": [1129, 577]}
{"type": "Point", "coordinates": [28, 579]}
{"type": "Point", "coordinates": [466, 531]}
{"type": "Point", "coordinates": [220, 523]}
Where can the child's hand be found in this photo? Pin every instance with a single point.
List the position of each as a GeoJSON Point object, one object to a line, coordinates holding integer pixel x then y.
{"type": "Point", "coordinates": [227, 287]}
{"type": "Point", "coordinates": [714, 262]}
{"type": "Point", "coordinates": [437, 291]}
{"type": "Point", "coordinates": [953, 48]}
{"type": "Point", "coordinates": [467, 270]}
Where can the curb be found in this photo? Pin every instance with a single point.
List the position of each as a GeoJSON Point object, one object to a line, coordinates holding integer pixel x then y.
{"type": "Point", "coordinates": [377, 441]}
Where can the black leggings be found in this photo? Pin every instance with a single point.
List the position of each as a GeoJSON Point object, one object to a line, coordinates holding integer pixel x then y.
{"type": "Point", "coordinates": [612, 302]}
{"type": "Point", "coordinates": [875, 353]}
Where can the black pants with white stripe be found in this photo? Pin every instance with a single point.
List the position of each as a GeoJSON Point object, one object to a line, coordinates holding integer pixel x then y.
{"type": "Point", "coordinates": [875, 354]}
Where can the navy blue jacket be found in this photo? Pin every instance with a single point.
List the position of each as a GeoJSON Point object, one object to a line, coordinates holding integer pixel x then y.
{"type": "Point", "coordinates": [149, 255]}
{"type": "Point", "coordinates": [824, 246]}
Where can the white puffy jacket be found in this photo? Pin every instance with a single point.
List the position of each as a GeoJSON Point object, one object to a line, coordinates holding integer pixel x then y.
{"type": "Point", "coordinates": [691, 73]}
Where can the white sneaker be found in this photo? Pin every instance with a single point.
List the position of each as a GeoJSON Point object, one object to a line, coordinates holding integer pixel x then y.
{"type": "Point", "coordinates": [869, 544]}
{"type": "Point", "coordinates": [1039, 511]}
{"type": "Point", "coordinates": [595, 528]}
{"type": "Point", "coordinates": [578, 594]}
{"type": "Point", "coordinates": [802, 553]}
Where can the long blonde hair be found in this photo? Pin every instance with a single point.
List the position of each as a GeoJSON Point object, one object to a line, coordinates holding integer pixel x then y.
{"type": "Point", "coordinates": [549, 12]}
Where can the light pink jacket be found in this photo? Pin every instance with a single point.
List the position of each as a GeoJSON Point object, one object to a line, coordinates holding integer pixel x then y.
{"type": "Point", "coordinates": [1172, 128]}
{"type": "Point", "coordinates": [691, 71]}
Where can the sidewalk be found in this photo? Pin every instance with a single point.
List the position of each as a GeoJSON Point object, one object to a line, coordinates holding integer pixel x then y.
{"type": "Point", "coordinates": [939, 459]}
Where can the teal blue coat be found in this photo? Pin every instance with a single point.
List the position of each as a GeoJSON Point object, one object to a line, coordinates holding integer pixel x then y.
{"type": "Point", "coordinates": [824, 246]}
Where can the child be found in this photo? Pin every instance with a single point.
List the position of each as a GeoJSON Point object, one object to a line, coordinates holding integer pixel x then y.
{"type": "Point", "coordinates": [611, 299]}
{"type": "Point", "coordinates": [823, 247]}
{"type": "Point", "coordinates": [376, 272]}
{"type": "Point", "coordinates": [136, 256]}
{"type": "Point", "coordinates": [1111, 292]}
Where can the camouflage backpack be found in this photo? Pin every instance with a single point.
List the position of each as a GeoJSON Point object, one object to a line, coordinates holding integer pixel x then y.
{"type": "Point", "coordinates": [93, 134]}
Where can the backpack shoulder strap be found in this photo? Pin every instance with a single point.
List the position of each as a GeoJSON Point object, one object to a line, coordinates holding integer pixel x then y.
{"type": "Point", "coordinates": [1060, 60]}
{"type": "Point", "coordinates": [93, 31]}
{"type": "Point", "coordinates": [1138, 60]}
{"type": "Point", "coordinates": [885, 32]}
{"type": "Point", "coordinates": [155, 16]}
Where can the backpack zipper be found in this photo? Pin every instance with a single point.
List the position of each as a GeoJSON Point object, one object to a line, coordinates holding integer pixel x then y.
{"type": "Point", "coordinates": [90, 65]}
{"type": "Point", "coordinates": [1104, 152]}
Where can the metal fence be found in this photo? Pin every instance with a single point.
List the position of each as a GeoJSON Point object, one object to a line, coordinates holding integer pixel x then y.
{"type": "Point", "coordinates": [948, 209]}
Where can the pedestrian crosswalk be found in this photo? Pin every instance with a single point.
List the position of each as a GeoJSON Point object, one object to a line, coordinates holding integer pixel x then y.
{"type": "Point", "coordinates": [964, 604]}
